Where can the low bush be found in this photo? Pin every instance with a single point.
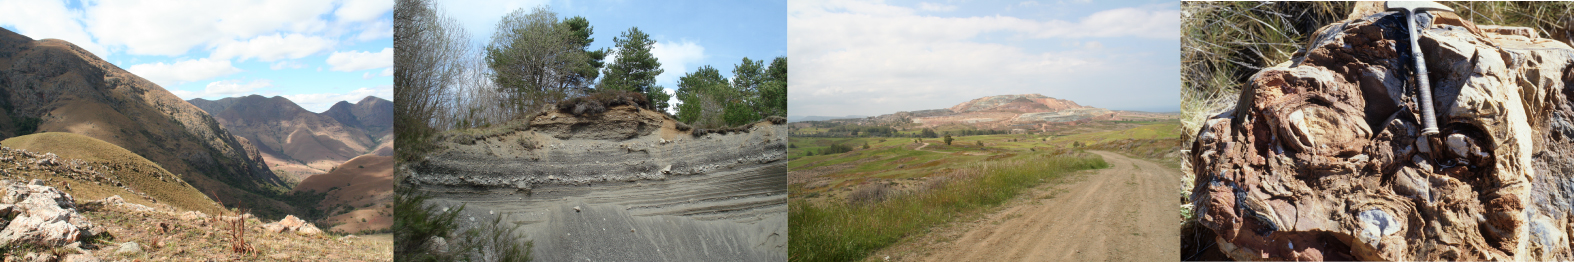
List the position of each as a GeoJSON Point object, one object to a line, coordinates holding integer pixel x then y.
{"type": "Point", "coordinates": [599, 102]}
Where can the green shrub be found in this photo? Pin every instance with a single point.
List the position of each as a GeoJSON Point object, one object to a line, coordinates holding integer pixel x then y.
{"type": "Point", "coordinates": [416, 224]}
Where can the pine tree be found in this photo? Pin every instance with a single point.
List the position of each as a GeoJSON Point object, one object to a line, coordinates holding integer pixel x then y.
{"type": "Point", "coordinates": [635, 68]}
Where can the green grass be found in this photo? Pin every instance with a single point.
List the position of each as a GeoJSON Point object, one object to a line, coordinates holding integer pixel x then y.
{"type": "Point", "coordinates": [846, 232]}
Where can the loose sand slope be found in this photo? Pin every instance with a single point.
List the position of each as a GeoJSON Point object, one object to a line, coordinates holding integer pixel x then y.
{"type": "Point", "coordinates": [624, 185]}
{"type": "Point", "coordinates": [1123, 213]}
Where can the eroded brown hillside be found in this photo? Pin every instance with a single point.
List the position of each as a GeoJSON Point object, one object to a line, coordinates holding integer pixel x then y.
{"type": "Point", "coordinates": [66, 89]}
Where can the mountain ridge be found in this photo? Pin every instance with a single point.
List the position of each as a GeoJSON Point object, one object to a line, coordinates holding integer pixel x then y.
{"type": "Point", "coordinates": [52, 85]}
{"type": "Point", "coordinates": [1019, 111]}
{"type": "Point", "coordinates": [301, 143]}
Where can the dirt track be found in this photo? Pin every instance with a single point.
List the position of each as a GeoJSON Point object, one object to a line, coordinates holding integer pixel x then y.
{"type": "Point", "coordinates": [1123, 213]}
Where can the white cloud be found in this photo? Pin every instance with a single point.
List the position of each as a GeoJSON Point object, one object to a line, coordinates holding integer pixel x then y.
{"type": "Point", "coordinates": [480, 17]}
{"type": "Point", "coordinates": [321, 102]}
{"type": "Point", "coordinates": [386, 72]}
{"type": "Point", "coordinates": [672, 103]}
{"type": "Point", "coordinates": [870, 58]}
{"type": "Point", "coordinates": [375, 30]}
{"type": "Point", "coordinates": [933, 7]}
{"type": "Point", "coordinates": [48, 19]}
{"type": "Point", "coordinates": [176, 27]}
{"type": "Point", "coordinates": [675, 58]}
{"type": "Point", "coordinates": [169, 75]}
{"type": "Point", "coordinates": [1119, 22]}
{"type": "Point", "coordinates": [273, 47]}
{"type": "Point", "coordinates": [363, 10]}
{"type": "Point", "coordinates": [235, 87]}
{"type": "Point", "coordinates": [225, 88]}
{"type": "Point", "coordinates": [290, 64]}
{"type": "Point", "coordinates": [358, 60]}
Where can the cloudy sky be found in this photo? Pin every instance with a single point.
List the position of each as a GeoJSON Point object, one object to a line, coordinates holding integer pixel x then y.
{"type": "Point", "coordinates": [314, 52]}
{"type": "Point", "coordinates": [871, 57]}
{"type": "Point", "coordinates": [688, 34]}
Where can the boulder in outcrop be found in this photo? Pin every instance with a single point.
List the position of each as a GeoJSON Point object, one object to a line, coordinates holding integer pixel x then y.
{"type": "Point", "coordinates": [1321, 157]}
{"type": "Point", "coordinates": [291, 223]}
{"type": "Point", "coordinates": [193, 216]}
{"type": "Point", "coordinates": [43, 216]}
{"type": "Point", "coordinates": [308, 230]}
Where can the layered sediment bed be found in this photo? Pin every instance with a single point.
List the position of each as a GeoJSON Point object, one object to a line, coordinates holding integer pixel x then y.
{"type": "Point", "coordinates": [622, 145]}
{"type": "Point", "coordinates": [1322, 157]}
{"type": "Point", "coordinates": [624, 185]}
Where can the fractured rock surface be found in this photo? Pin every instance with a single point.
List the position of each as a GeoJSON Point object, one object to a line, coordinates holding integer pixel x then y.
{"type": "Point", "coordinates": [1322, 159]}
{"type": "Point", "coordinates": [41, 215]}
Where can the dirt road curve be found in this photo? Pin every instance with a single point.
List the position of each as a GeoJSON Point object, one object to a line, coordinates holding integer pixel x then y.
{"type": "Point", "coordinates": [1123, 213]}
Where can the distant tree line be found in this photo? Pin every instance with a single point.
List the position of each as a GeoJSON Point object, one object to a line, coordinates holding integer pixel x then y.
{"type": "Point", "coordinates": [754, 92]}
{"type": "Point", "coordinates": [850, 130]}
{"type": "Point", "coordinates": [977, 132]}
{"type": "Point", "coordinates": [836, 148]}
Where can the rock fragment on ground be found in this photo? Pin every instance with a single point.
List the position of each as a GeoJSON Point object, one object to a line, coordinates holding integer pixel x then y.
{"type": "Point", "coordinates": [128, 248]}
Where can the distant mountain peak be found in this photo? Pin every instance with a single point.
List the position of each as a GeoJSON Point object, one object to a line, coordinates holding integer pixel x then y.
{"type": "Point", "coordinates": [1025, 103]}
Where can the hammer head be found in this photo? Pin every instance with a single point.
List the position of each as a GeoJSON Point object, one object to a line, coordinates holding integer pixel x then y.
{"type": "Point", "coordinates": [1416, 6]}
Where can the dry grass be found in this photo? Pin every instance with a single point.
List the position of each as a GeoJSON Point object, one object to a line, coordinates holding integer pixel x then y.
{"type": "Point", "coordinates": [167, 237]}
{"type": "Point", "coordinates": [870, 193]}
{"type": "Point", "coordinates": [599, 102]}
{"type": "Point", "coordinates": [1225, 43]}
{"type": "Point", "coordinates": [137, 173]}
{"type": "Point", "coordinates": [1554, 19]}
{"type": "Point", "coordinates": [237, 231]}
{"type": "Point", "coordinates": [845, 232]}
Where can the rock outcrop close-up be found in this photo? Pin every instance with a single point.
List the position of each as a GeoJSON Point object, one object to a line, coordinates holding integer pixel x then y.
{"type": "Point", "coordinates": [623, 183]}
{"type": "Point", "coordinates": [1324, 158]}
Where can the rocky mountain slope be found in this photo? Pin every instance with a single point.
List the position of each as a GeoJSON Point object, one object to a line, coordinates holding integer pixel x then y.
{"type": "Point", "coordinates": [97, 169]}
{"type": "Point", "coordinates": [358, 194]}
{"type": "Point", "coordinates": [624, 184]}
{"type": "Point", "coordinates": [55, 86]}
{"type": "Point", "coordinates": [372, 114]}
{"type": "Point", "coordinates": [1322, 158]}
{"type": "Point", "coordinates": [1030, 103]}
{"type": "Point", "coordinates": [95, 201]}
{"type": "Point", "coordinates": [301, 143]}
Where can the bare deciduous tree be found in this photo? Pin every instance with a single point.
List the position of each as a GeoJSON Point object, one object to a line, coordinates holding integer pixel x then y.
{"type": "Point", "coordinates": [428, 59]}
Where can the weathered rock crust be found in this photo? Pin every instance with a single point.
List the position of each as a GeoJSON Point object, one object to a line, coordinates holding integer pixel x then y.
{"type": "Point", "coordinates": [622, 144]}
{"type": "Point", "coordinates": [1320, 158]}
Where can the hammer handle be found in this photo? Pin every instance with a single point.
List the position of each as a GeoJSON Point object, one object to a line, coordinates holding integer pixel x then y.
{"type": "Point", "coordinates": [1428, 116]}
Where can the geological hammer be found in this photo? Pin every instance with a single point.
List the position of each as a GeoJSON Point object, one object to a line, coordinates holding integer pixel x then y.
{"type": "Point", "coordinates": [1428, 116]}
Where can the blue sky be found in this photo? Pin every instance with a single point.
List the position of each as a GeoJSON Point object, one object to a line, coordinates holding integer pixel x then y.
{"type": "Point", "coordinates": [315, 52]}
{"type": "Point", "coordinates": [870, 57]}
{"type": "Point", "coordinates": [688, 34]}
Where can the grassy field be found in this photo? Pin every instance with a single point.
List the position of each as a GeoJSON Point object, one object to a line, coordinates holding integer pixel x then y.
{"type": "Point", "coordinates": [845, 206]}
{"type": "Point", "coordinates": [842, 231]}
{"type": "Point", "coordinates": [136, 172]}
